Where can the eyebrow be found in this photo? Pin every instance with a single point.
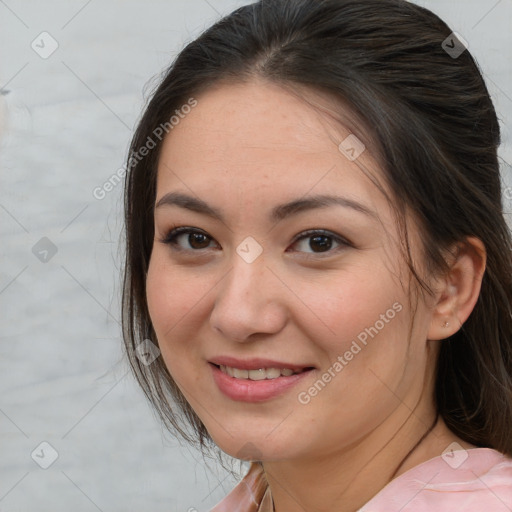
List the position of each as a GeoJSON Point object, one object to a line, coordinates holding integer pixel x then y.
{"type": "Point", "coordinates": [277, 213]}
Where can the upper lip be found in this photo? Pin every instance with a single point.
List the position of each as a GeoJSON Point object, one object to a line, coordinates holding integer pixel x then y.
{"type": "Point", "coordinates": [256, 363]}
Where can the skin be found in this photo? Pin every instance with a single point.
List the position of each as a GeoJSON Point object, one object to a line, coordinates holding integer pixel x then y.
{"type": "Point", "coordinates": [244, 149]}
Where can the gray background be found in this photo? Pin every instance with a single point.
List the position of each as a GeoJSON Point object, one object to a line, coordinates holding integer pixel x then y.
{"type": "Point", "coordinates": [66, 122]}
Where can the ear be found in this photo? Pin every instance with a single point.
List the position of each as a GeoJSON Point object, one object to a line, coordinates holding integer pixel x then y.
{"type": "Point", "coordinates": [459, 290]}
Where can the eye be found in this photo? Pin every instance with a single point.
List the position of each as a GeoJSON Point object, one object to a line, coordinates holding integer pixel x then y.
{"type": "Point", "coordinates": [320, 240]}
{"type": "Point", "coordinates": [196, 239]}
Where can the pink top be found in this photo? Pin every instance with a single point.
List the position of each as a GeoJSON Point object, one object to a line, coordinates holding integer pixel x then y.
{"type": "Point", "coordinates": [475, 480]}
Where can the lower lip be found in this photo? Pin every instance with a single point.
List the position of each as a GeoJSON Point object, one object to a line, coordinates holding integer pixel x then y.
{"type": "Point", "coordinates": [246, 390]}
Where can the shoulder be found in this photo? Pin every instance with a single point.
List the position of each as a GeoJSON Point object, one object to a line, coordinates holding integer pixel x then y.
{"type": "Point", "coordinates": [478, 479]}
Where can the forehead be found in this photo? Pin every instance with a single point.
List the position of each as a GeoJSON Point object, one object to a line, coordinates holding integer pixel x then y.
{"type": "Point", "coordinates": [258, 139]}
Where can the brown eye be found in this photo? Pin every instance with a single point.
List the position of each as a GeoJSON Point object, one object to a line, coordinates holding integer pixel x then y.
{"type": "Point", "coordinates": [195, 239]}
{"type": "Point", "coordinates": [313, 241]}
{"type": "Point", "coordinates": [320, 241]}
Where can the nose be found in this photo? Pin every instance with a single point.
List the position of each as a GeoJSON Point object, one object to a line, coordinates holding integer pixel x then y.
{"type": "Point", "coordinates": [250, 300]}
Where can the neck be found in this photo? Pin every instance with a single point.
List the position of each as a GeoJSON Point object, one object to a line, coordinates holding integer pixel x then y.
{"type": "Point", "coordinates": [347, 479]}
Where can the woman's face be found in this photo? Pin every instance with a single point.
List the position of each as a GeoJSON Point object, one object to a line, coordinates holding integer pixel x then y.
{"type": "Point", "coordinates": [273, 277]}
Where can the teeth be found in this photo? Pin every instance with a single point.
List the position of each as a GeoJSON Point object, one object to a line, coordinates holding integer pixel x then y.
{"type": "Point", "coordinates": [240, 374]}
{"type": "Point", "coordinates": [272, 373]}
{"type": "Point", "coordinates": [260, 374]}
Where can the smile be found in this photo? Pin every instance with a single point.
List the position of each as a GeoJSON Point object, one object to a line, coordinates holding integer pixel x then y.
{"type": "Point", "coordinates": [259, 374]}
{"type": "Point", "coordinates": [259, 381]}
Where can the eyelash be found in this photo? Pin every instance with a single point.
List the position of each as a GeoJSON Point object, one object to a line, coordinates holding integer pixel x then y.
{"type": "Point", "coordinates": [173, 233]}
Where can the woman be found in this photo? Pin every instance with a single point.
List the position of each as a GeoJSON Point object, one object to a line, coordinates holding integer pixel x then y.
{"type": "Point", "coordinates": [316, 245]}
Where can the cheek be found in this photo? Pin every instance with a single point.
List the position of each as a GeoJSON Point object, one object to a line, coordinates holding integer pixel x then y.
{"type": "Point", "coordinates": [162, 292]}
{"type": "Point", "coordinates": [361, 326]}
{"type": "Point", "coordinates": [362, 304]}
{"type": "Point", "coordinates": [363, 340]}
{"type": "Point", "coordinates": [173, 291]}
{"type": "Point", "coordinates": [174, 297]}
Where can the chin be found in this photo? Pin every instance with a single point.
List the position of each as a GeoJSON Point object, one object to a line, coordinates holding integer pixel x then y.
{"type": "Point", "coordinates": [255, 447]}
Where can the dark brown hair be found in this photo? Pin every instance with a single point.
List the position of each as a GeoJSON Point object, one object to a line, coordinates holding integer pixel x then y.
{"type": "Point", "coordinates": [437, 135]}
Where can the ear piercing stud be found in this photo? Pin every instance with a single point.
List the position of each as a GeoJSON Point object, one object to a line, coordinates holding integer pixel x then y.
{"type": "Point", "coordinates": [446, 324]}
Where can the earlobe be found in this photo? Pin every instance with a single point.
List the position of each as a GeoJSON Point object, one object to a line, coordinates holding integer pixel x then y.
{"type": "Point", "coordinates": [459, 293]}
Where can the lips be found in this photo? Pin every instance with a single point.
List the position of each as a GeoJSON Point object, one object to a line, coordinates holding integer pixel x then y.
{"type": "Point", "coordinates": [256, 380]}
